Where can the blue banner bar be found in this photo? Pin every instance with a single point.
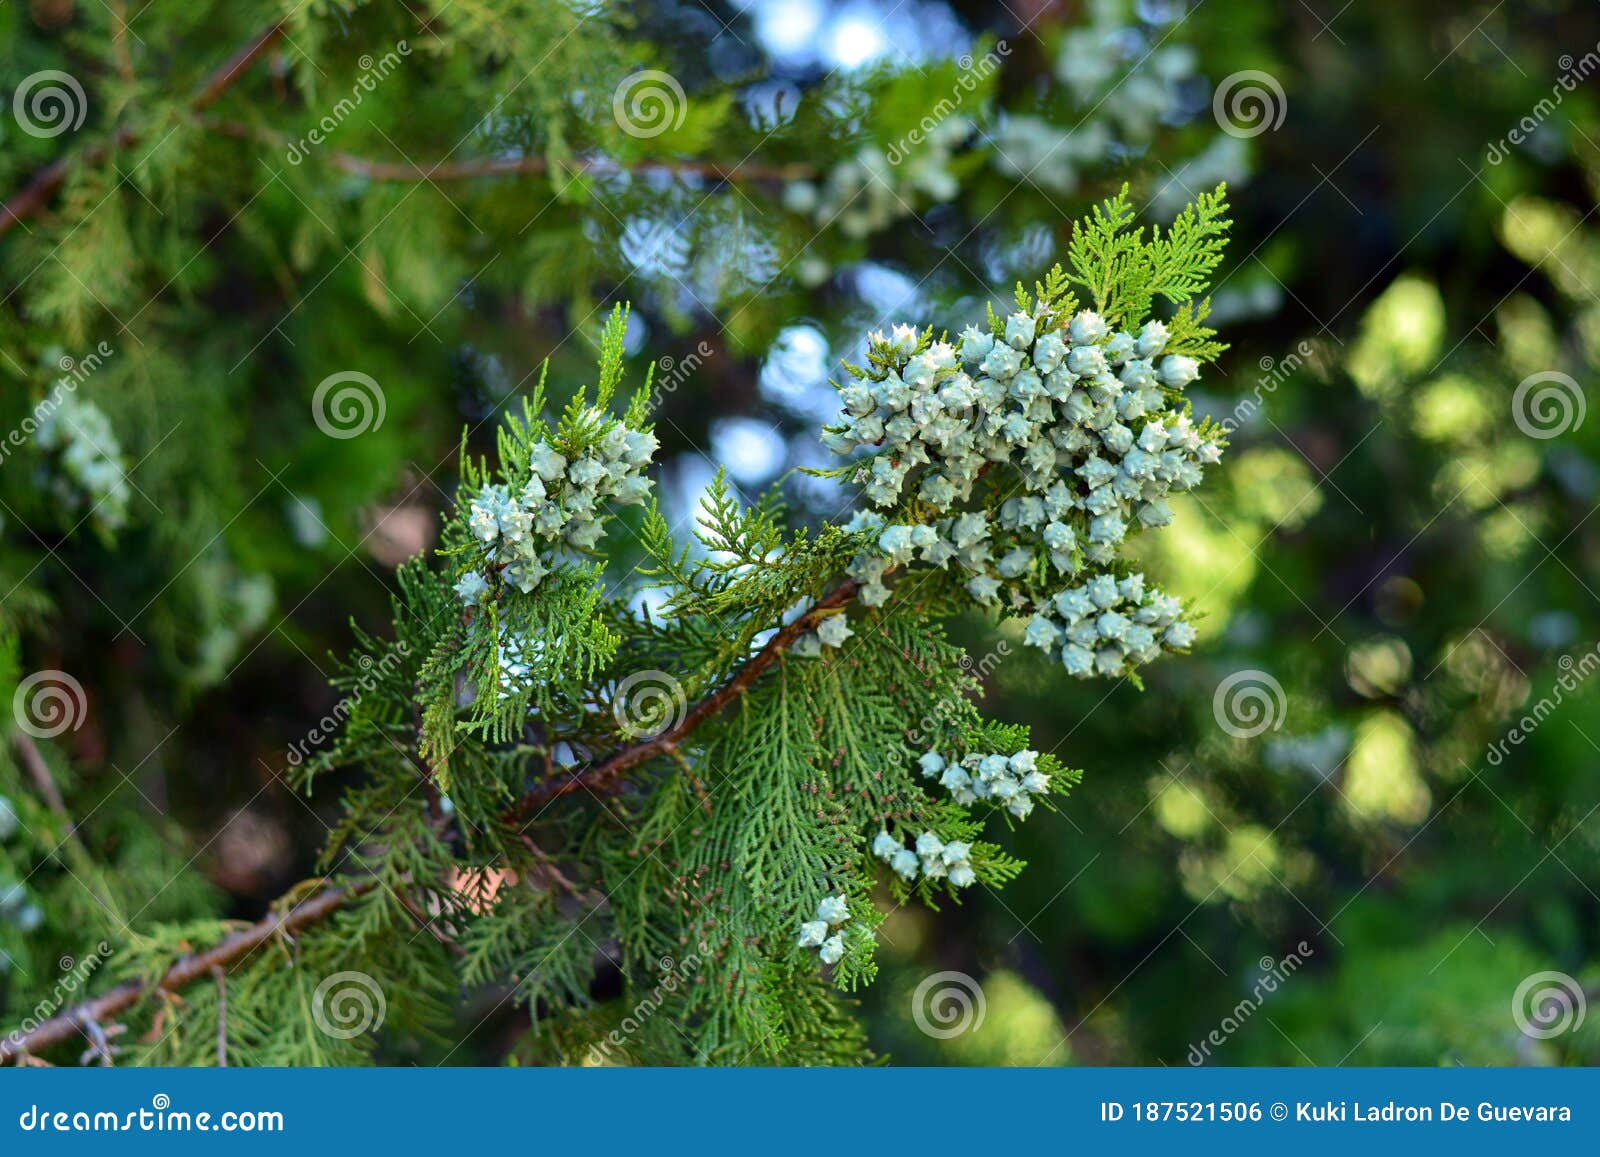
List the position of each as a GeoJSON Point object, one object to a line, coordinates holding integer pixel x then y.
{"type": "Point", "coordinates": [818, 1112]}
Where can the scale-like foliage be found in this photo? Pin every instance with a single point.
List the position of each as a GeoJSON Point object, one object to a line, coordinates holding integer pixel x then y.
{"type": "Point", "coordinates": [565, 785]}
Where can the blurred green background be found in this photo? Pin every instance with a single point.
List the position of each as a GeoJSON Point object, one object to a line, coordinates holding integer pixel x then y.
{"type": "Point", "coordinates": [1398, 554]}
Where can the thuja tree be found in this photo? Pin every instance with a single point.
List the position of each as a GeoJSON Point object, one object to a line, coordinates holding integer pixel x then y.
{"type": "Point", "coordinates": [666, 807]}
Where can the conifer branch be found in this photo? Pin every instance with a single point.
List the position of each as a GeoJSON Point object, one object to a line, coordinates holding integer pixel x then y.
{"type": "Point", "coordinates": [822, 747]}
{"type": "Point", "coordinates": [185, 971]}
{"type": "Point", "coordinates": [47, 180]}
{"type": "Point", "coordinates": [603, 776]}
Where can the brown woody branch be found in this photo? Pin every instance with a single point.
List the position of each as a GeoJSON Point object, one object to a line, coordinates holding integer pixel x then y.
{"type": "Point", "coordinates": [219, 81]}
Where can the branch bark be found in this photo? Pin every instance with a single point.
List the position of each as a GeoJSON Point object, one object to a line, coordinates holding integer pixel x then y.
{"type": "Point", "coordinates": [219, 81]}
